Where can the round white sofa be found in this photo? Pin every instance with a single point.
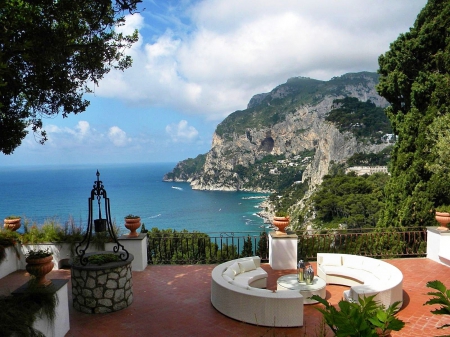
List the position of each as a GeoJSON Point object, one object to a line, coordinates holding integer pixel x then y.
{"type": "Point", "coordinates": [364, 275]}
{"type": "Point", "coordinates": [236, 291]}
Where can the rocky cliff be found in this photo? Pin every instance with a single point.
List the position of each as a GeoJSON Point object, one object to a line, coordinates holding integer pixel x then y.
{"type": "Point", "coordinates": [285, 123]}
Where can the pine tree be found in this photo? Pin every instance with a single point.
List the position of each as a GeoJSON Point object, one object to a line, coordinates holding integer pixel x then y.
{"type": "Point", "coordinates": [415, 80]}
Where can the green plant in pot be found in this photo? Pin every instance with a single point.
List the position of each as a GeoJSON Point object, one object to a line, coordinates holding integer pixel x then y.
{"type": "Point", "coordinates": [281, 221]}
{"type": "Point", "coordinates": [39, 264]}
{"type": "Point", "coordinates": [442, 215]}
{"type": "Point", "coordinates": [8, 239]}
{"type": "Point", "coordinates": [132, 222]}
{"type": "Point", "coordinates": [12, 222]}
{"type": "Point", "coordinates": [365, 318]}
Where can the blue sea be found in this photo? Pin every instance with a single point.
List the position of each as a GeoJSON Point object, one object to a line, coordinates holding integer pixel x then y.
{"type": "Point", "coordinates": [60, 192]}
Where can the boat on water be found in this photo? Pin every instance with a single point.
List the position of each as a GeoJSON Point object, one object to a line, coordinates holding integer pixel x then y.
{"type": "Point", "coordinates": [177, 188]}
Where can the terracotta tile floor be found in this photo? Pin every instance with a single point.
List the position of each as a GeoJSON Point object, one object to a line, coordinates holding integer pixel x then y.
{"type": "Point", "coordinates": [174, 300]}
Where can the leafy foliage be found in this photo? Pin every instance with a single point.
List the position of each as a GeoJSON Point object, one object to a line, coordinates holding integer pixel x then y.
{"type": "Point", "coordinates": [171, 246]}
{"type": "Point", "coordinates": [50, 51]}
{"type": "Point", "coordinates": [363, 119]}
{"type": "Point", "coordinates": [20, 311]}
{"type": "Point", "coordinates": [8, 239]}
{"type": "Point", "coordinates": [263, 246]}
{"type": "Point", "coordinates": [415, 73]}
{"type": "Point", "coordinates": [362, 319]}
{"type": "Point", "coordinates": [441, 297]}
{"type": "Point", "coordinates": [273, 173]}
{"type": "Point", "coordinates": [247, 250]}
{"type": "Point", "coordinates": [100, 259]}
{"type": "Point", "coordinates": [38, 253]}
{"type": "Point", "coordinates": [187, 168]}
{"type": "Point", "coordinates": [349, 199]}
{"type": "Point", "coordinates": [371, 159]}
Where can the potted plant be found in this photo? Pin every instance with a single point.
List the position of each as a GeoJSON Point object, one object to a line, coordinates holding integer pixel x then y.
{"type": "Point", "coordinates": [132, 222]}
{"type": "Point", "coordinates": [39, 264]}
{"type": "Point", "coordinates": [12, 222]}
{"type": "Point", "coordinates": [442, 215]}
{"type": "Point", "coordinates": [365, 318]}
{"type": "Point", "coordinates": [384, 320]}
{"type": "Point", "coordinates": [281, 221]}
{"type": "Point", "coordinates": [441, 297]}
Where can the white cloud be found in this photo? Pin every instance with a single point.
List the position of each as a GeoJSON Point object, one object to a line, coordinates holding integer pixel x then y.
{"type": "Point", "coordinates": [83, 129]}
{"type": "Point", "coordinates": [234, 49]}
{"type": "Point", "coordinates": [118, 137]}
{"type": "Point", "coordinates": [182, 132]}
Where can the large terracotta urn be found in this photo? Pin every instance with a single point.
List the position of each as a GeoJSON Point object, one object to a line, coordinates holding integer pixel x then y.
{"type": "Point", "coordinates": [281, 222]}
{"type": "Point", "coordinates": [133, 223]}
{"type": "Point", "coordinates": [12, 224]}
{"type": "Point", "coordinates": [39, 268]}
{"type": "Point", "coordinates": [443, 218]}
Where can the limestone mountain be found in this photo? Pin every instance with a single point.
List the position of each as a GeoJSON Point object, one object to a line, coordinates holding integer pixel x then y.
{"type": "Point", "coordinates": [291, 134]}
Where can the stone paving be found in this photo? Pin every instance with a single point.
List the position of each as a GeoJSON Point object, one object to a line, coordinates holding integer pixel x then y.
{"type": "Point", "coordinates": [174, 300]}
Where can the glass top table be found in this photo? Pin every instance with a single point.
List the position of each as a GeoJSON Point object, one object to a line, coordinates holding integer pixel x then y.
{"type": "Point", "coordinates": [317, 287]}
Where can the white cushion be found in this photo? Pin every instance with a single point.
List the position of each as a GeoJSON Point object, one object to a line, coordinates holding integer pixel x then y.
{"type": "Point", "coordinates": [384, 273]}
{"type": "Point", "coordinates": [230, 273]}
{"type": "Point", "coordinates": [370, 265]}
{"type": "Point", "coordinates": [353, 261]}
{"type": "Point", "coordinates": [236, 268]}
{"type": "Point", "coordinates": [227, 278]}
{"type": "Point", "coordinates": [240, 284]}
{"type": "Point", "coordinates": [246, 265]}
{"type": "Point", "coordinates": [332, 260]}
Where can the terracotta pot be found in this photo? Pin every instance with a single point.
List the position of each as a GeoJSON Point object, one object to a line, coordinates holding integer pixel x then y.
{"type": "Point", "coordinates": [39, 268]}
{"type": "Point", "coordinates": [281, 222]}
{"type": "Point", "coordinates": [443, 218]}
{"type": "Point", "coordinates": [11, 224]}
{"type": "Point", "coordinates": [380, 332]}
{"type": "Point", "coordinates": [132, 224]}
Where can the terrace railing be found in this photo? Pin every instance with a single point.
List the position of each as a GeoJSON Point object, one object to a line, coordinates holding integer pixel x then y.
{"type": "Point", "coordinates": [205, 248]}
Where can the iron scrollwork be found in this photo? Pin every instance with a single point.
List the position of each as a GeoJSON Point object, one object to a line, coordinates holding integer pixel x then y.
{"type": "Point", "coordinates": [98, 193]}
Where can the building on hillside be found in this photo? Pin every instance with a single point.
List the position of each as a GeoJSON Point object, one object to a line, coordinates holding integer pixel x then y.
{"type": "Point", "coordinates": [361, 170]}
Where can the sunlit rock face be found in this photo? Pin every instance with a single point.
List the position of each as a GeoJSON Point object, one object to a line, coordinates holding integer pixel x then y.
{"type": "Point", "coordinates": [287, 121]}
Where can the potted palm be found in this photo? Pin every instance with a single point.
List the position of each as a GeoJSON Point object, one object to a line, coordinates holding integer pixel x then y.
{"type": "Point", "coordinates": [39, 264]}
{"type": "Point", "coordinates": [12, 222]}
{"type": "Point", "coordinates": [132, 222]}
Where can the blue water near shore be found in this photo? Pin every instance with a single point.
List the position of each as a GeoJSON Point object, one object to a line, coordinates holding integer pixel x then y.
{"type": "Point", "coordinates": [40, 193]}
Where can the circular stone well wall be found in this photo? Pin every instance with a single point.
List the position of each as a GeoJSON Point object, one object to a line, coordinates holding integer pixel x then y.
{"type": "Point", "coordinates": [104, 288]}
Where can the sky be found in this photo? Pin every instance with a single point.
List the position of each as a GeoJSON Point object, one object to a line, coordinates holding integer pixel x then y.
{"type": "Point", "coordinates": [198, 61]}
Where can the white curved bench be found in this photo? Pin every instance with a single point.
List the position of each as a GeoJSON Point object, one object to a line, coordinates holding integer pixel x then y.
{"type": "Point", "coordinates": [243, 299]}
{"type": "Point", "coordinates": [364, 275]}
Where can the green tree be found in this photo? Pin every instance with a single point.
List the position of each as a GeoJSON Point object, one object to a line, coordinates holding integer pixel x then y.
{"type": "Point", "coordinates": [247, 250]}
{"type": "Point", "coordinates": [415, 80]}
{"type": "Point", "coordinates": [49, 52]}
{"type": "Point", "coordinates": [349, 199]}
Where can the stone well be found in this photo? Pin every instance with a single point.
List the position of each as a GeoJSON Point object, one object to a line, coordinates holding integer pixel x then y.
{"type": "Point", "coordinates": [102, 288]}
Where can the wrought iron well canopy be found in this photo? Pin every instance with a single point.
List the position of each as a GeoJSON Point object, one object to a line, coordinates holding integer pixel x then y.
{"type": "Point", "coordinates": [98, 193]}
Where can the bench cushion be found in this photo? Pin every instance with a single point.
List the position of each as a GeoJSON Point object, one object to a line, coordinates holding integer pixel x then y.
{"type": "Point", "coordinates": [353, 261]}
{"type": "Point", "coordinates": [245, 266]}
{"type": "Point", "coordinates": [230, 273]}
{"type": "Point", "coordinates": [343, 271]}
{"type": "Point", "coordinates": [330, 260]}
{"type": "Point", "coordinates": [236, 268]}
